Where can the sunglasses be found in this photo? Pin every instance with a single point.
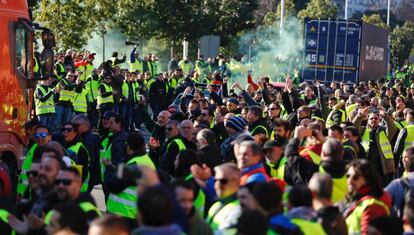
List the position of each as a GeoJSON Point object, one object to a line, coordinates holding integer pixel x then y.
{"type": "Point", "coordinates": [353, 177]}
{"type": "Point", "coordinates": [65, 182]}
{"type": "Point", "coordinates": [222, 181]}
{"type": "Point", "coordinates": [40, 135]}
{"type": "Point", "coordinates": [32, 173]}
{"type": "Point", "coordinates": [67, 129]}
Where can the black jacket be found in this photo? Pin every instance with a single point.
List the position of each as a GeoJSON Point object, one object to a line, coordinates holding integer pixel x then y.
{"type": "Point", "coordinates": [298, 170]}
{"type": "Point", "coordinates": [118, 149]}
{"type": "Point", "coordinates": [91, 141]}
{"type": "Point", "coordinates": [332, 221]}
{"type": "Point", "coordinates": [170, 153]}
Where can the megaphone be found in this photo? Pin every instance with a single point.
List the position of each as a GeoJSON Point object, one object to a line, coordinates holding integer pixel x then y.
{"type": "Point", "coordinates": [129, 43]}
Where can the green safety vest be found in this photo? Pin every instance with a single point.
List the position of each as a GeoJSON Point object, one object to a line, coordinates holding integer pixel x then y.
{"type": "Point", "coordinates": [105, 100]}
{"type": "Point", "coordinates": [137, 66]}
{"type": "Point", "coordinates": [173, 83]}
{"type": "Point", "coordinates": [257, 127]}
{"type": "Point", "coordinates": [4, 216]}
{"type": "Point", "coordinates": [105, 153]}
{"type": "Point", "coordinates": [75, 148]}
{"type": "Point", "coordinates": [66, 95]}
{"type": "Point", "coordinates": [200, 67]}
{"type": "Point", "coordinates": [340, 189]}
{"type": "Point", "coordinates": [135, 87]}
{"type": "Point", "coordinates": [409, 139]}
{"type": "Point", "coordinates": [150, 82]}
{"type": "Point", "coordinates": [88, 71]}
{"type": "Point", "coordinates": [280, 171]}
{"type": "Point", "coordinates": [152, 67]}
{"type": "Point", "coordinates": [330, 122]}
{"type": "Point", "coordinates": [61, 69]}
{"type": "Point", "coordinates": [125, 90]}
{"type": "Point", "coordinates": [219, 212]}
{"type": "Point", "coordinates": [349, 109]}
{"type": "Point", "coordinates": [309, 227]}
{"type": "Point", "coordinates": [400, 124]}
{"type": "Point", "coordinates": [186, 67]}
{"type": "Point", "coordinates": [200, 200]}
{"type": "Point", "coordinates": [314, 156]}
{"type": "Point", "coordinates": [125, 202]}
{"type": "Point", "coordinates": [80, 104]}
{"type": "Point", "coordinates": [384, 143]}
{"type": "Point", "coordinates": [23, 182]}
{"type": "Point", "coordinates": [45, 107]}
{"type": "Point", "coordinates": [92, 87]}
{"type": "Point", "coordinates": [179, 143]}
{"type": "Point", "coordinates": [353, 221]}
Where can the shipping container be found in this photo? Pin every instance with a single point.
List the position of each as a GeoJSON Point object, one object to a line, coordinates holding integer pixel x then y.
{"type": "Point", "coordinates": [344, 50]}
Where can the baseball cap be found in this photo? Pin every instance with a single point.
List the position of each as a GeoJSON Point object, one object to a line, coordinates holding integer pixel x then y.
{"type": "Point", "coordinates": [272, 143]}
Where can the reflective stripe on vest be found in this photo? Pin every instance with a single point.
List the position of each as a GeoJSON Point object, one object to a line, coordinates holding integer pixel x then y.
{"type": "Point", "coordinates": [219, 213]}
{"type": "Point", "coordinates": [137, 66]}
{"type": "Point", "coordinates": [384, 143]}
{"type": "Point", "coordinates": [108, 99]}
{"type": "Point", "coordinates": [400, 124]}
{"type": "Point", "coordinates": [330, 122]}
{"type": "Point", "coordinates": [23, 178]}
{"type": "Point", "coordinates": [125, 202]}
{"type": "Point", "coordinates": [260, 126]}
{"type": "Point", "coordinates": [75, 148]}
{"type": "Point", "coordinates": [309, 227]}
{"type": "Point", "coordinates": [200, 201]}
{"type": "Point", "coordinates": [179, 143]}
{"type": "Point", "coordinates": [409, 139]}
{"type": "Point", "coordinates": [80, 103]}
{"type": "Point", "coordinates": [353, 221]}
{"type": "Point", "coordinates": [44, 107]}
{"type": "Point", "coordinates": [314, 156]}
{"type": "Point", "coordinates": [339, 187]}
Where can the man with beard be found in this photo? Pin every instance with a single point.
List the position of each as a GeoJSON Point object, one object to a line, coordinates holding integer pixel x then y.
{"type": "Point", "coordinates": [281, 131]}
{"type": "Point", "coordinates": [68, 184]}
{"type": "Point", "coordinates": [47, 198]}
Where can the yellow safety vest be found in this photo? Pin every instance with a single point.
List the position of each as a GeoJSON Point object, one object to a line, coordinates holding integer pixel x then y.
{"type": "Point", "coordinates": [23, 182]}
{"type": "Point", "coordinates": [330, 122]}
{"type": "Point", "coordinates": [257, 127]}
{"type": "Point", "coordinates": [400, 124]}
{"type": "Point", "coordinates": [409, 139]}
{"type": "Point", "coordinates": [45, 107]}
{"type": "Point", "coordinates": [349, 109]}
{"type": "Point", "coordinates": [353, 221]}
{"type": "Point", "coordinates": [180, 144]}
{"type": "Point", "coordinates": [61, 69]}
{"type": "Point", "coordinates": [75, 148]}
{"type": "Point", "coordinates": [219, 212]}
{"type": "Point", "coordinates": [125, 90]}
{"type": "Point", "coordinates": [200, 200]}
{"type": "Point", "coordinates": [314, 156]}
{"type": "Point", "coordinates": [36, 66]}
{"type": "Point", "coordinates": [137, 66]}
{"type": "Point", "coordinates": [280, 171]}
{"type": "Point", "coordinates": [4, 216]}
{"type": "Point", "coordinates": [125, 202]}
{"type": "Point", "coordinates": [92, 88]}
{"type": "Point", "coordinates": [105, 153]}
{"type": "Point", "coordinates": [105, 100]}
{"type": "Point", "coordinates": [384, 143]}
{"type": "Point", "coordinates": [309, 227]}
{"type": "Point", "coordinates": [186, 67]}
{"type": "Point", "coordinates": [66, 95]}
{"type": "Point", "coordinates": [80, 104]}
{"type": "Point", "coordinates": [339, 187]}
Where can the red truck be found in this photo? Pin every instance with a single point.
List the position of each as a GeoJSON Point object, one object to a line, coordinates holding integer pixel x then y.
{"type": "Point", "coordinates": [16, 86]}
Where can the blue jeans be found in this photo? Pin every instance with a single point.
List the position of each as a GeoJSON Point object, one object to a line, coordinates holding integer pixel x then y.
{"type": "Point", "coordinates": [46, 119]}
{"type": "Point", "coordinates": [63, 115]}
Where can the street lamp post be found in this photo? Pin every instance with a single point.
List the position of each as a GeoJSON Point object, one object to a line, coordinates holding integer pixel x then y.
{"type": "Point", "coordinates": [282, 14]}
{"type": "Point", "coordinates": [346, 9]}
{"type": "Point", "coordinates": [103, 32]}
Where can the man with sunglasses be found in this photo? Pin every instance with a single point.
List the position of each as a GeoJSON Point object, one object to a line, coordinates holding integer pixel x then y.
{"type": "Point", "coordinates": [68, 184]}
{"type": "Point", "coordinates": [376, 140]}
{"type": "Point", "coordinates": [42, 136]}
{"type": "Point", "coordinates": [223, 214]}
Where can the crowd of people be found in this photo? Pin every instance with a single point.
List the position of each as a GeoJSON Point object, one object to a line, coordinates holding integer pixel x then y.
{"type": "Point", "coordinates": [304, 158]}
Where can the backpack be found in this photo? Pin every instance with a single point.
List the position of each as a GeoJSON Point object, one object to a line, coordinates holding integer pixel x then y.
{"type": "Point", "coordinates": [408, 194]}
